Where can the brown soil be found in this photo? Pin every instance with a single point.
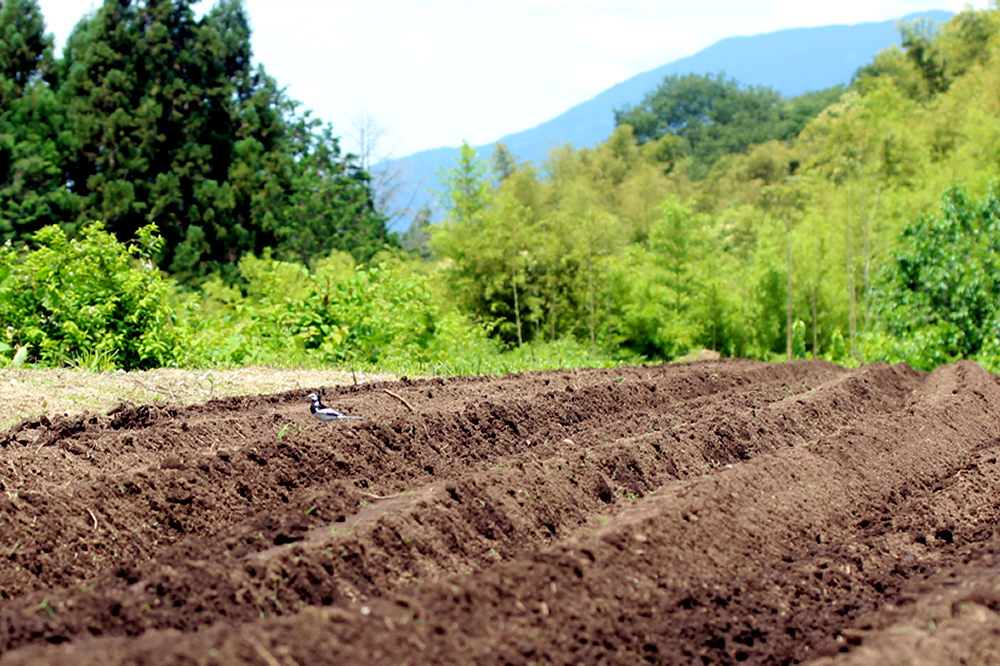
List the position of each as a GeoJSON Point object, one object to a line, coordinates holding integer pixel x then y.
{"type": "Point", "coordinates": [27, 392]}
{"type": "Point", "coordinates": [718, 512]}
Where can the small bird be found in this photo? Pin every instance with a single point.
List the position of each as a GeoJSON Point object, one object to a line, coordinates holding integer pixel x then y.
{"type": "Point", "coordinates": [324, 413]}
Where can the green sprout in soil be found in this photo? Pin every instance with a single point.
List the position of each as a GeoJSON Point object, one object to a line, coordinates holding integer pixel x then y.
{"type": "Point", "coordinates": [46, 607]}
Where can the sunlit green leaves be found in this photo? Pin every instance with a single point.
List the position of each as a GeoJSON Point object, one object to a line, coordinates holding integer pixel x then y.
{"type": "Point", "coordinates": [70, 299]}
{"type": "Point", "coordinates": [940, 299]}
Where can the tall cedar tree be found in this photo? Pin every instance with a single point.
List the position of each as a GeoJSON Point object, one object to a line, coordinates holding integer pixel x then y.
{"type": "Point", "coordinates": [158, 117]}
{"type": "Point", "coordinates": [33, 141]}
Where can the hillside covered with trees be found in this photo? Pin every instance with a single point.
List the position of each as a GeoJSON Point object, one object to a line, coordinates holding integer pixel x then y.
{"type": "Point", "coordinates": [853, 224]}
{"type": "Point", "coordinates": [166, 204]}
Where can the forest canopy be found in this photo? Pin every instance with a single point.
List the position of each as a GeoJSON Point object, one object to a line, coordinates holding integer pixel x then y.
{"type": "Point", "coordinates": [708, 116]}
{"type": "Point", "coordinates": [152, 116]}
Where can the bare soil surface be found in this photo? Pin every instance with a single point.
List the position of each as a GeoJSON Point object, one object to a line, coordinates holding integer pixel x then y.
{"type": "Point", "coordinates": [718, 512]}
{"type": "Point", "coordinates": [26, 392]}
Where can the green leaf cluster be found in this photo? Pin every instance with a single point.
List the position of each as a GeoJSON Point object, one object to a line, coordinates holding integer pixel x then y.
{"type": "Point", "coordinates": [705, 117]}
{"type": "Point", "coordinates": [939, 297]}
{"type": "Point", "coordinates": [89, 301]}
{"type": "Point", "coordinates": [385, 315]}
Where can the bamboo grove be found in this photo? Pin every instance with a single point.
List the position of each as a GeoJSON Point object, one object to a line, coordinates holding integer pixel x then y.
{"type": "Point", "coordinates": [724, 217]}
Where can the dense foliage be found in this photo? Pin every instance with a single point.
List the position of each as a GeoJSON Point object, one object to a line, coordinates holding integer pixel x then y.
{"type": "Point", "coordinates": [715, 217]}
{"type": "Point", "coordinates": [729, 218]}
{"type": "Point", "coordinates": [97, 303]}
{"type": "Point", "coordinates": [705, 117]}
{"type": "Point", "coordinates": [939, 299]}
{"type": "Point", "coordinates": [91, 300]}
{"type": "Point", "coordinates": [154, 117]}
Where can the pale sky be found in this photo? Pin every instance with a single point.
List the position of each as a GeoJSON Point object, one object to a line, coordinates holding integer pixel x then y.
{"type": "Point", "coordinates": [436, 72]}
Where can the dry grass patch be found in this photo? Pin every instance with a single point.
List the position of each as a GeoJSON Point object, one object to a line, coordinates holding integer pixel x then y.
{"type": "Point", "coordinates": [26, 393]}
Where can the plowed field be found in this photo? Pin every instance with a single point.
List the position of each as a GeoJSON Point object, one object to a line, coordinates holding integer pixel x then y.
{"type": "Point", "coordinates": [713, 513]}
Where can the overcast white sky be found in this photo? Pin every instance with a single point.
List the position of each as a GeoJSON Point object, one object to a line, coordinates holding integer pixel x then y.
{"type": "Point", "coordinates": [435, 72]}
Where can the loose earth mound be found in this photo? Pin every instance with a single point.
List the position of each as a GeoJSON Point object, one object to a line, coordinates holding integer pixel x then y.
{"type": "Point", "coordinates": [717, 513]}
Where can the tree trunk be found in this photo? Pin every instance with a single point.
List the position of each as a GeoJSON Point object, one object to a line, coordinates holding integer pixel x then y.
{"type": "Point", "coordinates": [590, 290]}
{"type": "Point", "coordinates": [715, 320]}
{"type": "Point", "coordinates": [815, 290]}
{"type": "Point", "coordinates": [788, 321]}
{"type": "Point", "coordinates": [815, 349]}
{"type": "Point", "coordinates": [553, 314]}
{"type": "Point", "coordinates": [607, 310]}
{"type": "Point", "coordinates": [852, 321]}
{"type": "Point", "coordinates": [517, 307]}
{"type": "Point", "coordinates": [867, 251]}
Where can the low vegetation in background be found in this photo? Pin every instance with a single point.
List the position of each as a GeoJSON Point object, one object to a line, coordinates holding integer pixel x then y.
{"type": "Point", "coordinates": [88, 301]}
{"type": "Point", "coordinates": [938, 300]}
{"type": "Point", "coordinates": [233, 232]}
{"type": "Point", "coordinates": [98, 304]}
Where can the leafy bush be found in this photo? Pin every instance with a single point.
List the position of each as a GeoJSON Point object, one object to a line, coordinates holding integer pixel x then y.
{"type": "Point", "coordinates": [939, 299]}
{"type": "Point", "coordinates": [98, 303]}
{"type": "Point", "coordinates": [335, 314]}
{"type": "Point", "coordinates": [90, 301]}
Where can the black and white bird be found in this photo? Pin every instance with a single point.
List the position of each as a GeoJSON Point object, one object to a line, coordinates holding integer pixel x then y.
{"type": "Point", "coordinates": [324, 413]}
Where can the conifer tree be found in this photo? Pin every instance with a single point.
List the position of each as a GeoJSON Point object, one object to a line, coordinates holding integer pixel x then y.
{"type": "Point", "coordinates": [153, 116]}
{"type": "Point", "coordinates": [33, 143]}
{"type": "Point", "coordinates": [24, 46]}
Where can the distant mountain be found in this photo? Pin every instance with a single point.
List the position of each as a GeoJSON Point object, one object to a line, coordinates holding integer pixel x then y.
{"type": "Point", "coordinates": [792, 61]}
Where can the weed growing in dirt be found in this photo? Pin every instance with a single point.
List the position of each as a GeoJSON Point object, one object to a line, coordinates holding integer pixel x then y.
{"type": "Point", "coordinates": [47, 608]}
{"type": "Point", "coordinates": [285, 428]}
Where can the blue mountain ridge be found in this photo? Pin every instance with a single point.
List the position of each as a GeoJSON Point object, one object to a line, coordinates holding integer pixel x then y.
{"type": "Point", "coordinates": [792, 61]}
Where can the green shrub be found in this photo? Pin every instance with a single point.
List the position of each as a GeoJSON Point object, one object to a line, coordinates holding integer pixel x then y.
{"type": "Point", "coordinates": [90, 301]}
{"type": "Point", "coordinates": [100, 304]}
{"type": "Point", "coordinates": [939, 296]}
{"type": "Point", "coordinates": [334, 314]}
